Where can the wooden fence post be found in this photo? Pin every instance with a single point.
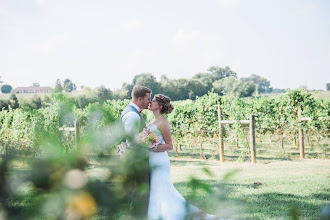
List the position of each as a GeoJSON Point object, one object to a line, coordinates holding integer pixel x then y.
{"type": "Point", "coordinates": [301, 135]}
{"type": "Point", "coordinates": [221, 147]}
{"type": "Point", "coordinates": [76, 132]}
{"type": "Point", "coordinates": [253, 139]}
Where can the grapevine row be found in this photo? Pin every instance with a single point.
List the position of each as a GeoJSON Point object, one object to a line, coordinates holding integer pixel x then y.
{"type": "Point", "coordinates": [190, 120]}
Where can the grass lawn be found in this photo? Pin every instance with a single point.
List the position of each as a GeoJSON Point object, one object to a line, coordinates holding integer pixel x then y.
{"type": "Point", "coordinates": [263, 191]}
{"type": "Point", "coordinates": [274, 188]}
{"type": "Point", "coordinates": [277, 186]}
{"type": "Point", "coordinates": [267, 190]}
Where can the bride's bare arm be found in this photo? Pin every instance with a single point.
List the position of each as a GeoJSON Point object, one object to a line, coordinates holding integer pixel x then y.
{"type": "Point", "coordinates": [164, 127]}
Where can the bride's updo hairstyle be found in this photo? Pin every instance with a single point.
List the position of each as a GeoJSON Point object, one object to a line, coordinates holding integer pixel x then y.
{"type": "Point", "coordinates": [165, 102]}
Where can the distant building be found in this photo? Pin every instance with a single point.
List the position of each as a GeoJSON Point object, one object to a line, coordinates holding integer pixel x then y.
{"type": "Point", "coordinates": [32, 89]}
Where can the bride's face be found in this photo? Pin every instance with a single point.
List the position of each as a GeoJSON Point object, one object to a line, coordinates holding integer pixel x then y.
{"type": "Point", "coordinates": [154, 105]}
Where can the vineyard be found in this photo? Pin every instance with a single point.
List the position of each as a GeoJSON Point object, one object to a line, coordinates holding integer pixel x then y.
{"type": "Point", "coordinates": [43, 176]}
{"type": "Point", "coordinates": [194, 124]}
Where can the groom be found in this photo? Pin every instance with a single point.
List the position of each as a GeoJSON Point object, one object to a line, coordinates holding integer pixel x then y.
{"type": "Point", "coordinates": [131, 117]}
{"type": "Point", "coordinates": [133, 124]}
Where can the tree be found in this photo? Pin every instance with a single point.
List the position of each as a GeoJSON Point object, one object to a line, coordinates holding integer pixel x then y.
{"type": "Point", "coordinates": [69, 86]}
{"type": "Point", "coordinates": [205, 78]}
{"type": "Point", "coordinates": [36, 101]}
{"type": "Point", "coordinates": [148, 80]}
{"type": "Point", "coordinates": [245, 89]}
{"type": "Point", "coordinates": [163, 78]}
{"type": "Point", "coordinates": [58, 86]}
{"type": "Point", "coordinates": [13, 101]}
{"type": "Point", "coordinates": [181, 89]}
{"type": "Point", "coordinates": [176, 89]}
{"type": "Point", "coordinates": [46, 101]}
{"type": "Point", "coordinates": [126, 91]}
{"type": "Point", "coordinates": [328, 86]}
{"type": "Point", "coordinates": [214, 73]}
{"type": "Point", "coordinates": [196, 88]}
{"type": "Point", "coordinates": [103, 93]}
{"type": "Point", "coordinates": [6, 88]}
{"type": "Point", "coordinates": [262, 83]}
{"type": "Point", "coordinates": [82, 101]}
{"type": "Point", "coordinates": [3, 105]}
{"type": "Point", "coordinates": [234, 87]}
{"type": "Point", "coordinates": [120, 95]}
{"type": "Point", "coordinates": [220, 73]}
{"type": "Point", "coordinates": [224, 87]}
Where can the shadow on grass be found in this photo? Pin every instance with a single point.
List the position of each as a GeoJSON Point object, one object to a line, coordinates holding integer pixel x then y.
{"type": "Point", "coordinates": [280, 205]}
{"type": "Point", "coordinates": [195, 157]}
{"type": "Point", "coordinates": [255, 205]}
{"type": "Point", "coordinates": [247, 197]}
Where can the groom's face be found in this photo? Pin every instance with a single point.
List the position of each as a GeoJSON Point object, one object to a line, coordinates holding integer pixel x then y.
{"type": "Point", "coordinates": [146, 101]}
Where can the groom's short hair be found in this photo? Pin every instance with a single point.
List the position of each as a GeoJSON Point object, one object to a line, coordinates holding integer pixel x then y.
{"type": "Point", "coordinates": [140, 91]}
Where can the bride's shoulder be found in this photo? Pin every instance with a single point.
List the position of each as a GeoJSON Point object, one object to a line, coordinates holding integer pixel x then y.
{"type": "Point", "coordinates": [163, 123]}
{"type": "Point", "coordinates": [164, 119]}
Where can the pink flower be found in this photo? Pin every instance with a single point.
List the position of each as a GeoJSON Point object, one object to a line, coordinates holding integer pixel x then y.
{"type": "Point", "coordinates": [148, 137]}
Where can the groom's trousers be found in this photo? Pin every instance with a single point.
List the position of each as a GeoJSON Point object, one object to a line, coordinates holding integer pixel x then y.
{"type": "Point", "coordinates": [140, 197]}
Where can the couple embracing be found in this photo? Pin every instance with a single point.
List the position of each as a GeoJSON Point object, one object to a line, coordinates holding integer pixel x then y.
{"type": "Point", "coordinates": [163, 201]}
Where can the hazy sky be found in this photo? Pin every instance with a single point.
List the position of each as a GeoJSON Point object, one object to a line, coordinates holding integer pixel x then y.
{"type": "Point", "coordinates": [106, 42]}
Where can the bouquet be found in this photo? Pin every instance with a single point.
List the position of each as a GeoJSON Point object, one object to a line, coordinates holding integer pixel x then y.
{"type": "Point", "coordinates": [148, 137]}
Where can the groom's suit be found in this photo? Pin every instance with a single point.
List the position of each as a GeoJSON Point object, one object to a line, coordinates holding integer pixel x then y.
{"type": "Point", "coordinates": [134, 123]}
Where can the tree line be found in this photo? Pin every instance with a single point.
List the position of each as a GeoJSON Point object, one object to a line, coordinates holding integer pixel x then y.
{"type": "Point", "coordinates": [81, 100]}
{"type": "Point", "coordinates": [223, 81]}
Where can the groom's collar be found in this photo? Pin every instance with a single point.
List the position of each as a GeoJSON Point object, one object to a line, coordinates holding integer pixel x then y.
{"type": "Point", "coordinates": [135, 106]}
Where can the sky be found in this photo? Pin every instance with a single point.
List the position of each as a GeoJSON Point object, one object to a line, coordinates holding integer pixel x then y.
{"type": "Point", "coordinates": [107, 42]}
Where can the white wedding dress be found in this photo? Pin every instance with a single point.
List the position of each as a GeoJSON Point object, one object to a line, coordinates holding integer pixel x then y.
{"type": "Point", "coordinates": [165, 202]}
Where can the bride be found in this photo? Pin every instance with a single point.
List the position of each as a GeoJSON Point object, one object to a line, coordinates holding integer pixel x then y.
{"type": "Point", "coordinates": [165, 202]}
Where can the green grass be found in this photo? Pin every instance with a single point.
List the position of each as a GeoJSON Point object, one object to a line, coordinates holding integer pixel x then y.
{"type": "Point", "coordinates": [278, 185]}
{"type": "Point", "coordinates": [270, 190]}
{"type": "Point", "coordinates": [263, 191]}
{"type": "Point", "coordinates": [267, 190]}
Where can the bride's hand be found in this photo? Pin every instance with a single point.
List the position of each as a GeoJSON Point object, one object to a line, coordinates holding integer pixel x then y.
{"type": "Point", "coordinates": [155, 148]}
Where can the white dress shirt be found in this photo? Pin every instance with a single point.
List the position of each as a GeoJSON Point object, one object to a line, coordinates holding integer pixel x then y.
{"type": "Point", "coordinates": [131, 120]}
